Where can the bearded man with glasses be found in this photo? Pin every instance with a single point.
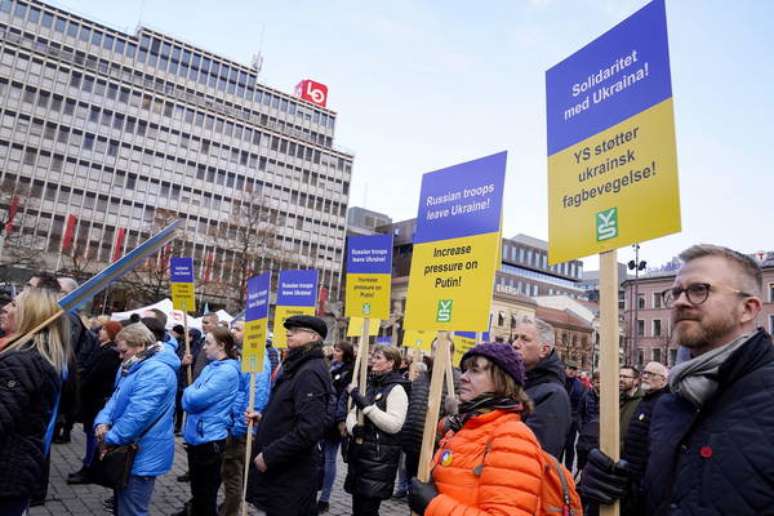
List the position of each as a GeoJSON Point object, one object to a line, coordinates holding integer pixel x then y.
{"type": "Point", "coordinates": [711, 438]}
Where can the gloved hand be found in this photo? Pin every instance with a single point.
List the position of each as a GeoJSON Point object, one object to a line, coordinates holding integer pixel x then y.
{"type": "Point", "coordinates": [420, 494]}
{"type": "Point", "coordinates": [603, 480]}
{"type": "Point", "coordinates": [358, 399]}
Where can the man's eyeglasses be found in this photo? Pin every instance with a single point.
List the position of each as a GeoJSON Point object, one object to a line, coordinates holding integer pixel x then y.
{"type": "Point", "coordinates": [697, 293]}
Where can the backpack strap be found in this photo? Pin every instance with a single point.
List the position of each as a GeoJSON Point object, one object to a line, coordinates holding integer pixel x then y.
{"type": "Point", "coordinates": [562, 479]}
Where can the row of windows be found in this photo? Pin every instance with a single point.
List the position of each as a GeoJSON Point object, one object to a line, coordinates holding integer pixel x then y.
{"type": "Point", "coordinates": [539, 276]}
{"type": "Point", "coordinates": [656, 328]}
{"type": "Point", "coordinates": [539, 259]}
{"type": "Point", "coordinates": [57, 51]}
{"type": "Point", "coordinates": [109, 90]}
{"type": "Point", "coordinates": [92, 172]}
{"type": "Point", "coordinates": [169, 58]}
{"type": "Point", "coordinates": [130, 124]}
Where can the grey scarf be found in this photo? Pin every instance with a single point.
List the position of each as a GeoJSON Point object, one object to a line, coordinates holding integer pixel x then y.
{"type": "Point", "coordinates": [696, 379]}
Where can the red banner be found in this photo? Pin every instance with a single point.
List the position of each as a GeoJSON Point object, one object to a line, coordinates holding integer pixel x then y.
{"type": "Point", "coordinates": [69, 232]}
{"type": "Point", "coordinates": [12, 209]}
{"type": "Point", "coordinates": [322, 298]}
{"type": "Point", "coordinates": [118, 245]}
{"type": "Point", "coordinates": [208, 266]}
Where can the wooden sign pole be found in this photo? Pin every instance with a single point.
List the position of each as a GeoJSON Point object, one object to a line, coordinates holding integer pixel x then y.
{"type": "Point", "coordinates": [433, 406]}
{"type": "Point", "coordinates": [609, 436]}
{"type": "Point", "coordinates": [449, 373]}
{"type": "Point", "coordinates": [363, 371]}
{"type": "Point", "coordinates": [189, 368]}
{"type": "Point", "coordinates": [248, 443]}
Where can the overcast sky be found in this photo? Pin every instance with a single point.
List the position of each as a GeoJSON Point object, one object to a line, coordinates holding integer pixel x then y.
{"type": "Point", "coordinates": [422, 85]}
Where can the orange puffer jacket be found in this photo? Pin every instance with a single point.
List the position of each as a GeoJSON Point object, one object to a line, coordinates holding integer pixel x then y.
{"type": "Point", "coordinates": [493, 465]}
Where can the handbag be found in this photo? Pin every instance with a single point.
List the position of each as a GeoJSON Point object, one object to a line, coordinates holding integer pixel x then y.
{"type": "Point", "coordinates": [113, 469]}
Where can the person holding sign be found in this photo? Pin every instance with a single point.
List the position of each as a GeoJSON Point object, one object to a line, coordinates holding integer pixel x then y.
{"type": "Point", "coordinates": [208, 403]}
{"type": "Point", "coordinates": [488, 460]}
{"type": "Point", "coordinates": [709, 440]}
{"type": "Point", "coordinates": [374, 451]}
{"type": "Point", "coordinates": [288, 464]}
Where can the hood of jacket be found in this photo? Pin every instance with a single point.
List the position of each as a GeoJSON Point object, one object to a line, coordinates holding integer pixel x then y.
{"type": "Point", "coordinates": [548, 370]}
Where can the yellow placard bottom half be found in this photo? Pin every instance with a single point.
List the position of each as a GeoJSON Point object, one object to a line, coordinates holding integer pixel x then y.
{"type": "Point", "coordinates": [615, 188]}
{"type": "Point", "coordinates": [419, 339]}
{"type": "Point", "coordinates": [355, 328]}
{"type": "Point", "coordinates": [254, 346]}
{"type": "Point", "coordinates": [281, 313]}
{"type": "Point", "coordinates": [461, 346]}
{"type": "Point", "coordinates": [450, 284]}
{"type": "Point", "coordinates": [368, 295]}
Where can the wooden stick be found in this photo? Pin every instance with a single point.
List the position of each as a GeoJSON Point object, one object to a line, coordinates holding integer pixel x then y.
{"type": "Point", "coordinates": [363, 383]}
{"type": "Point", "coordinates": [248, 443]}
{"type": "Point", "coordinates": [30, 334]}
{"type": "Point", "coordinates": [189, 367]}
{"type": "Point", "coordinates": [433, 406]}
{"type": "Point", "coordinates": [355, 376]}
{"type": "Point", "coordinates": [609, 436]}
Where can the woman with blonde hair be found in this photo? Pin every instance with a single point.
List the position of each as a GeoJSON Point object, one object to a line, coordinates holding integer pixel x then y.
{"type": "Point", "coordinates": [32, 369]}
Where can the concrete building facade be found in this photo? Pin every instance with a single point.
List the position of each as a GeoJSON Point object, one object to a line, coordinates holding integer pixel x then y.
{"type": "Point", "coordinates": [115, 129]}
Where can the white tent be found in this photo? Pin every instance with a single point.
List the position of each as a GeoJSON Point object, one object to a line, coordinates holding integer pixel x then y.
{"type": "Point", "coordinates": [174, 317]}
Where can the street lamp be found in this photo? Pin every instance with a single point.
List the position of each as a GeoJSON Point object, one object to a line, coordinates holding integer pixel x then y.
{"type": "Point", "coordinates": [636, 265]}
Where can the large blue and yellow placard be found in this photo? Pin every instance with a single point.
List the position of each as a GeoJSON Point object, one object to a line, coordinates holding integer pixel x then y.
{"type": "Point", "coordinates": [256, 318]}
{"type": "Point", "coordinates": [369, 273]}
{"type": "Point", "coordinates": [456, 246]}
{"type": "Point", "coordinates": [612, 159]}
{"type": "Point", "coordinates": [181, 283]}
{"type": "Point", "coordinates": [296, 295]}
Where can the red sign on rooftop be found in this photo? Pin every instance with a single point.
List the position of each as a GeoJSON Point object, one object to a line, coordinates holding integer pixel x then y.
{"type": "Point", "coordinates": [314, 92]}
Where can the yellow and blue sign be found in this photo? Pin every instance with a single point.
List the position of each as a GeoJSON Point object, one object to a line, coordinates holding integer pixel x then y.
{"type": "Point", "coordinates": [256, 319]}
{"type": "Point", "coordinates": [464, 341]}
{"type": "Point", "coordinates": [456, 244]}
{"type": "Point", "coordinates": [419, 339]}
{"type": "Point", "coordinates": [612, 158]}
{"type": "Point", "coordinates": [296, 295]}
{"type": "Point", "coordinates": [369, 273]}
{"type": "Point", "coordinates": [181, 283]}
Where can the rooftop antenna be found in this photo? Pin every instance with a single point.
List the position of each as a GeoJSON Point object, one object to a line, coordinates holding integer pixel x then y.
{"type": "Point", "coordinates": [365, 195]}
{"type": "Point", "coordinates": [258, 58]}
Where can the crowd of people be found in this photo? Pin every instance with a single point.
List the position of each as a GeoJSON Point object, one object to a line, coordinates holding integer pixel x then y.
{"type": "Point", "coordinates": [694, 439]}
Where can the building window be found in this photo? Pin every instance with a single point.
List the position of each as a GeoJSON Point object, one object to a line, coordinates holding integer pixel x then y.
{"type": "Point", "coordinates": [771, 324]}
{"type": "Point", "coordinates": [657, 354]}
{"type": "Point", "coordinates": [640, 301]}
{"type": "Point", "coordinates": [657, 300]}
{"type": "Point", "coordinates": [640, 328]}
{"type": "Point", "coordinates": [771, 292]}
{"type": "Point", "coordinates": [657, 327]}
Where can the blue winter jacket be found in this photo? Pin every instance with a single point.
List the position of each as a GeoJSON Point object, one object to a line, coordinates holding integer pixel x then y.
{"type": "Point", "coordinates": [170, 346]}
{"type": "Point", "coordinates": [208, 402]}
{"type": "Point", "coordinates": [144, 396]}
{"type": "Point", "coordinates": [262, 391]}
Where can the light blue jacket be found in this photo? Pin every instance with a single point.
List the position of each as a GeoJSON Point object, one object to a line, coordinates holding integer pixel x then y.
{"type": "Point", "coordinates": [262, 392]}
{"type": "Point", "coordinates": [144, 396]}
{"type": "Point", "coordinates": [208, 402]}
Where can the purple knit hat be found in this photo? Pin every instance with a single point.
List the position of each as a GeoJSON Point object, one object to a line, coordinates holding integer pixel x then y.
{"type": "Point", "coordinates": [503, 355]}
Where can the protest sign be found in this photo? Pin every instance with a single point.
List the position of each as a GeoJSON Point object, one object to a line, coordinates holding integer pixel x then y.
{"type": "Point", "coordinates": [369, 272]}
{"type": "Point", "coordinates": [181, 282]}
{"type": "Point", "coordinates": [256, 319]}
{"type": "Point", "coordinates": [355, 327]}
{"type": "Point", "coordinates": [296, 295]}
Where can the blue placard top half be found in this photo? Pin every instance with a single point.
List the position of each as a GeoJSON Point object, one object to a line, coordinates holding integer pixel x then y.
{"type": "Point", "coordinates": [297, 288]}
{"type": "Point", "coordinates": [462, 200]}
{"type": "Point", "coordinates": [370, 254]}
{"type": "Point", "coordinates": [619, 74]}
{"type": "Point", "coordinates": [181, 270]}
{"type": "Point", "coordinates": [257, 304]}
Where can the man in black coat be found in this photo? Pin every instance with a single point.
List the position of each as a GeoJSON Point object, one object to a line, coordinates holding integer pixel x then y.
{"type": "Point", "coordinates": [285, 476]}
{"type": "Point", "coordinates": [710, 442]}
{"type": "Point", "coordinates": [575, 390]}
{"type": "Point", "coordinates": [551, 417]}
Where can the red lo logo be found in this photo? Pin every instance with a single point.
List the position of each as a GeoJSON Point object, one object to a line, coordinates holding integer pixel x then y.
{"type": "Point", "coordinates": [314, 92]}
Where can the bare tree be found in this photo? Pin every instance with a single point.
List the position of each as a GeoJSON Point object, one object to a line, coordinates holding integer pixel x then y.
{"type": "Point", "coordinates": [21, 247]}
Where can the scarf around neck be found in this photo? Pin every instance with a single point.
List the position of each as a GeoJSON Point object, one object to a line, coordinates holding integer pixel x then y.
{"type": "Point", "coordinates": [696, 379]}
{"type": "Point", "coordinates": [481, 405]}
{"type": "Point", "coordinates": [139, 357]}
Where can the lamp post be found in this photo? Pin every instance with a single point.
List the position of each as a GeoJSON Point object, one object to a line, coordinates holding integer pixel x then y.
{"type": "Point", "coordinates": [637, 266]}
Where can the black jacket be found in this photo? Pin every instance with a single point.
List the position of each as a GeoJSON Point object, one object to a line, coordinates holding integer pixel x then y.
{"type": "Point", "coordinates": [418, 395]}
{"type": "Point", "coordinates": [341, 375]}
{"type": "Point", "coordinates": [374, 454]}
{"type": "Point", "coordinates": [718, 459]}
{"type": "Point", "coordinates": [29, 386]}
{"type": "Point", "coordinates": [575, 391]}
{"type": "Point", "coordinates": [98, 381]}
{"type": "Point", "coordinates": [588, 422]}
{"type": "Point", "coordinates": [550, 420]}
{"type": "Point", "coordinates": [293, 423]}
